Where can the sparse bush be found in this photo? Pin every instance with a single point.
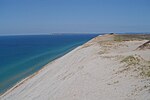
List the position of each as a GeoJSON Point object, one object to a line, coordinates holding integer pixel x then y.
{"type": "Point", "coordinates": [131, 60]}
{"type": "Point", "coordinates": [148, 73]}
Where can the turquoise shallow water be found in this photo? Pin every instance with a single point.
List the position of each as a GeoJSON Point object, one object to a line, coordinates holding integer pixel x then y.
{"type": "Point", "coordinates": [21, 56]}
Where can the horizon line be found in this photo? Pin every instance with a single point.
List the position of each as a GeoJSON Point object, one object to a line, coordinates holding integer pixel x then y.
{"type": "Point", "coordinates": [59, 33]}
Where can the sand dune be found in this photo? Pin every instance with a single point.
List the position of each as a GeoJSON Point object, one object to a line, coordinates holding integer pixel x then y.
{"type": "Point", "coordinates": [105, 68]}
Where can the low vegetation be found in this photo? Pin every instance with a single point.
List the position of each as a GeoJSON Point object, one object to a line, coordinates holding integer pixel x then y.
{"type": "Point", "coordinates": [118, 39]}
{"type": "Point", "coordinates": [137, 63]}
{"type": "Point", "coordinates": [131, 60]}
{"type": "Point", "coordinates": [131, 37]}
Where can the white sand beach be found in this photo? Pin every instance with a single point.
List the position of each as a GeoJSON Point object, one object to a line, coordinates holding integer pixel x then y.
{"type": "Point", "coordinates": [101, 69]}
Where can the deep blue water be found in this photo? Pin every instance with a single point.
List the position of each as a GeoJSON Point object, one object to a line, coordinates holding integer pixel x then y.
{"type": "Point", "coordinates": [21, 56]}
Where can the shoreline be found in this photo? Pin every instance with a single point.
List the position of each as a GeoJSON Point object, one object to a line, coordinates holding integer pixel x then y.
{"type": "Point", "coordinates": [97, 69]}
{"type": "Point", "coordinates": [37, 72]}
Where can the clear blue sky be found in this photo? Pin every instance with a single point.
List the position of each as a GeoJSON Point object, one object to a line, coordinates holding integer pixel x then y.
{"type": "Point", "coordinates": [74, 16]}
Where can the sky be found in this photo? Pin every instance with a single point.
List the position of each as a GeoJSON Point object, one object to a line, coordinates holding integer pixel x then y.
{"type": "Point", "coordinates": [74, 16]}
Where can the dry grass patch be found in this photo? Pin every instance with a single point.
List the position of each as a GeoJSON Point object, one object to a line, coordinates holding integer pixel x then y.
{"type": "Point", "coordinates": [131, 60]}
{"type": "Point", "coordinates": [138, 64]}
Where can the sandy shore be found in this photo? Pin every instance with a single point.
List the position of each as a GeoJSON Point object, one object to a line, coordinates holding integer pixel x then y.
{"type": "Point", "coordinates": [105, 68]}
